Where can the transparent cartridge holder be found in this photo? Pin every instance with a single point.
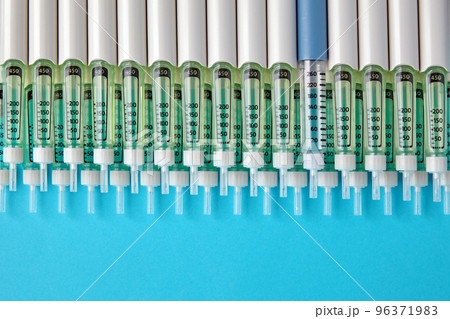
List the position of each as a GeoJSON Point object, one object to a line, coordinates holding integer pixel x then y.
{"type": "Point", "coordinates": [225, 111]}
{"type": "Point", "coordinates": [3, 166]}
{"type": "Point", "coordinates": [283, 78]}
{"type": "Point", "coordinates": [88, 140]}
{"type": "Point", "coordinates": [435, 88]}
{"type": "Point", "coordinates": [73, 81]}
{"type": "Point", "coordinates": [149, 148]}
{"type": "Point", "coordinates": [193, 82]}
{"type": "Point", "coordinates": [133, 76]}
{"type": "Point", "coordinates": [28, 164]}
{"type": "Point", "coordinates": [313, 82]}
{"type": "Point", "coordinates": [374, 88]}
{"type": "Point", "coordinates": [405, 86]}
{"type": "Point", "coordinates": [253, 104]}
{"type": "Point", "coordinates": [163, 74]}
{"type": "Point", "coordinates": [118, 148]}
{"type": "Point", "coordinates": [58, 162]}
{"type": "Point", "coordinates": [102, 77]}
{"type": "Point", "coordinates": [390, 156]}
{"type": "Point", "coordinates": [43, 72]}
{"type": "Point", "coordinates": [13, 109]}
{"type": "Point", "coordinates": [343, 86]}
{"type": "Point", "coordinates": [177, 137]}
{"type": "Point", "coordinates": [238, 169]}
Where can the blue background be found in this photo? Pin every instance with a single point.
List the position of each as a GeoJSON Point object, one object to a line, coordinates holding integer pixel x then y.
{"type": "Point", "coordinates": [49, 256]}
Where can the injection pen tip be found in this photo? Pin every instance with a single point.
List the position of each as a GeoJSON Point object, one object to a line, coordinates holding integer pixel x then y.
{"type": "Point", "coordinates": [237, 201]}
{"type": "Point", "coordinates": [345, 185]}
{"type": "Point", "coordinates": [357, 208]}
{"type": "Point", "coordinates": [297, 201]}
{"type": "Point", "coordinates": [150, 200]}
{"type": "Point", "coordinates": [375, 185]}
{"type": "Point", "coordinates": [73, 177]}
{"type": "Point", "coordinates": [12, 177]}
{"type": "Point", "coordinates": [179, 201]}
{"type": "Point", "coordinates": [91, 200]}
{"type": "Point", "coordinates": [119, 200]}
{"type": "Point", "coordinates": [418, 201]}
{"type": "Point", "coordinates": [164, 179]}
{"type": "Point", "coordinates": [33, 208]}
{"type": "Point", "coordinates": [2, 199]}
{"type": "Point", "coordinates": [313, 179]}
{"type": "Point", "coordinates": [387, 201]}
{"type": "Point", "coordinates": [61, 199]}
{"type": "Point", "coordinates": [446, 200]}
{"type": "Point", "coordinates": [134, 176]}
{"type": "Point", "coordinates": [327, 202]}
{"type": "Point", "coordinates": [103, 178]}
{"type": "Point", "coordinates": [223, 181]}
{"type": "Point", "coordinates": [253, 182]}
{"type": "Point", "coordinates": [43, 177]}
{"type": "Point", "coordinates": [406, 186]}
{"type": "Point", "coordinates": [193, 180]}
{"type": "Point", "coordinates": [207, 201]}
{"type": "Point", "coordinates": [436, 187]}
{"type": "Point", "coordinates": [267, 206]}
{"type": "Point", "coordinates": [283, 182]}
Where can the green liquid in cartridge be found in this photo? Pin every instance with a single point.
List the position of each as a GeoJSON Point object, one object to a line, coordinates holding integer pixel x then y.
{"type": "Point", "coordinates": [389, 128]}
{"type": "Point", "coordinates": [14, 105]}
{"type": "Point", "coordinates": [43, 94]}
{"type": "Point", "coordinates": [223, 78]}
{"type": "Point", "coordinates": [435, 99]}
{"type": "Point", "coordinates": [359, 128]}
{"type": "Point", "coordinates": [163, 91]}
{"type": "Point", "coordinates": [329, 144]}
{"type": "Point", "coordinates": [103, 104]}
{"type": "Point", "coordinates": [118, 130]}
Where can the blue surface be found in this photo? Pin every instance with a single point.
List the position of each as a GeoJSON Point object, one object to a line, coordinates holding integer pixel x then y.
{"type": "Point", "coordinates": [312, 30]}
{"type": "Point", "coordinates": [57, 257]}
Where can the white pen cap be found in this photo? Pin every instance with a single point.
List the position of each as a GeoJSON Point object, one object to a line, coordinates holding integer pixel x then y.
{"type": "Point", "coordinates": [433, 30]}
{"type": "Point", "coordinates": [342, 33]}
{"type": "Point", "coordinates": [14, 30]}
{"type": "Point", "coordinates": [221, 18]}
{"type": "Point", "coordinates": [102, 36]}
{"type": "Point", "coordinates": [403, 33]}
{"type": "Point", "coordinates": [282, 32]}
{"type": "Point", "coordinates": [372, 33]}
{"type": "Point", "coordinates": [191, 24]}
{"type": "Point", "coordinates": [72, 30]}
{"type": "Point", "coordinates": [132, 31]}
{"type": "Point", "coordinates": [43, 31]}
{"type": "Point", "coordinates": [251, 26]}
{"type": "Point", "coordinates": [162, 31]}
